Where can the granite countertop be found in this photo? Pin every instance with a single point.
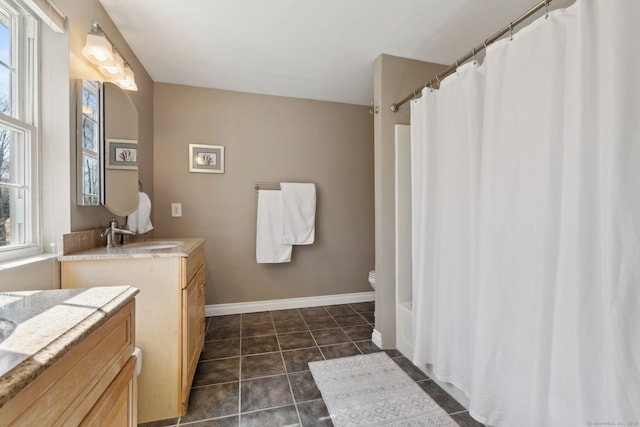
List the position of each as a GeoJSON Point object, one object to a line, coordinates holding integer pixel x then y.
{"type": "Point", "coordinates": [155, 248]}
{"type": "Point", "coordinates": [48, 325]}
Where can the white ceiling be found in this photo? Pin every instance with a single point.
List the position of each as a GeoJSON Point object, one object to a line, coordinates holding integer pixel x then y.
{"type": "Point", "coordinates": [321, 49]}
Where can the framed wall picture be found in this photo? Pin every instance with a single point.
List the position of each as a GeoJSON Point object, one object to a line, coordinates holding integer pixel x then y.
{"type": "Point", "coordinates": [206, 158]}
{"type": "Point", "coordinates": [122, 154]}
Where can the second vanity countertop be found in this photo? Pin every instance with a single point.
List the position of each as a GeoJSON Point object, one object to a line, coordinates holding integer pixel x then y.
{"type": "Point", "coordinates": [155, 248]}
{"type": "Point", "coordinates": [47, 325]}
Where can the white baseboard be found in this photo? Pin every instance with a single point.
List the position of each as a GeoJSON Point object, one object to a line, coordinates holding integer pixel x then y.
{"type": "Point", "coordinates": [283, 304]}
{"type": "Point", "coordinates": [376, 337]}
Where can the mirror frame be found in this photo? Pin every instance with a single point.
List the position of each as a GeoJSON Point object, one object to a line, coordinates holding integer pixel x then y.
{"type": "Point", "coordinates": [83, 154]}
{"type": "Point", "coordinates": [120, 127]}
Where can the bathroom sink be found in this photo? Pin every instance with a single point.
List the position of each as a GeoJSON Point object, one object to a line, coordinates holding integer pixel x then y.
{"type": "Point", "coordinates": [6, 328]}
{"type": "Point", "coordinates": [153, 246]}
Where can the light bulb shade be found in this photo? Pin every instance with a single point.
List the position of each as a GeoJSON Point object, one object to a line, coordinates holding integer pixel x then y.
{"type": "Point", "coordinates": [97, 49]}
{"type": "Point", "coordinates": [128, 82]}
{"type": "Point", "coordinates": [114, 70]}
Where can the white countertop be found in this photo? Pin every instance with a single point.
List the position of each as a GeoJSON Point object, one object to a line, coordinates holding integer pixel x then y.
{"type": "Point", "coordinates": [182, 247]}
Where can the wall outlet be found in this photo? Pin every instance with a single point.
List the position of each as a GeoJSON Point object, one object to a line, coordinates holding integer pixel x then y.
{"type": "Point", "coordinates": [176, 209]}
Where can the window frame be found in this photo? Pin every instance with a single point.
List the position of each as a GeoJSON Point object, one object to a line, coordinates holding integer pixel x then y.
{"type": "Point", "coordinates": [23, 119]}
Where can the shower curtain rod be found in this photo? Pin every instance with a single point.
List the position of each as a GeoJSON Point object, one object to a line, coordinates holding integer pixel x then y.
{"type": "Point", "coordinates": [473, 53]}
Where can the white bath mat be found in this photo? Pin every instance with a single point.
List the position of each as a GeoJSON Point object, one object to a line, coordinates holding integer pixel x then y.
{"type": "Point", "coordinates": [371, 390]}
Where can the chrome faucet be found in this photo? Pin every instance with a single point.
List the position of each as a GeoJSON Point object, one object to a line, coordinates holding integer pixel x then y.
{"type": "Point", "coordinates": [111, 232]}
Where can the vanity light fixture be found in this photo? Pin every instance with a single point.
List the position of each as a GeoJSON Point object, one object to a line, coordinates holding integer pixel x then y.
{"type": "Point", "coordinates": [128, 80]}
{"type": "Point", "coordinates": [99, 50]}
{"type": "Point", "coordinates": [115, 68]}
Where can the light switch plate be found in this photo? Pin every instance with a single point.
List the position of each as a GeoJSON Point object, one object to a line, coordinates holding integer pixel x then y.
{"type": "Point", "coordinates": [176, 209]}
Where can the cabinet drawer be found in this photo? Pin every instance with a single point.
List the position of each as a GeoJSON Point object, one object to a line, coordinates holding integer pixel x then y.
{"type": "Point", "coordinates": [194, 261]}
{"type": "Point", "coordinates": [66, 391]}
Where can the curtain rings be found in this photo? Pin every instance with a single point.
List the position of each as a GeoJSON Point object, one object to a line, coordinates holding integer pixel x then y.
{"type": "Point", "coordinates": [546, 9]}
{"type": "Point", "coordinates": [510, 31]}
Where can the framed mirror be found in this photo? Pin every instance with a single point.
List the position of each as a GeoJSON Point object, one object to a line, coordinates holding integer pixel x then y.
{"type": "Point", "coordinates": [107, 120]}
{"type": "Point", "coordinates": [121, 136]}
{"type": "Point", "coordinates": [90, 174]}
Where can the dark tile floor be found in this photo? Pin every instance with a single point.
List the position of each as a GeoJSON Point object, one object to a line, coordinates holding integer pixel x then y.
{"type": "Point", "coordinates": [253, 370]}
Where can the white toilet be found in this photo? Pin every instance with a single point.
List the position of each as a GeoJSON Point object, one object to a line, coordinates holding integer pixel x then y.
{"type": "Point", "coordinates": [372, 278]}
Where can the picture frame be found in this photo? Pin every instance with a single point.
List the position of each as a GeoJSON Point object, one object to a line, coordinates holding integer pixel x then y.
{"type": "Point", "coordinates": [206, 158]}
{"type": "Point", "coordinates": [122, 154]}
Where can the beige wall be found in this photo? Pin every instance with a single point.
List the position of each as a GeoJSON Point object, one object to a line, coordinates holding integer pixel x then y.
{"type": "Point", "coordinates": [273, 139]}
{"type": "Point", "coordinates": [394, 78]}
{"type": "Point", "coordinates": [39, 274]}
{"type": "Point", "coordinates": [80, 15]}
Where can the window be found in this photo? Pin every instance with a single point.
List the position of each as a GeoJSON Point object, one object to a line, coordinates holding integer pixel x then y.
{"type": "Point", "coordinates": [19, 234]}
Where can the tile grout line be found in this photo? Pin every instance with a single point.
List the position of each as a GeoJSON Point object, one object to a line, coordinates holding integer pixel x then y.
{"type": "Point", "coordinates": [324, 356]}
{"type": "Point", "coordinates": [350, 340]}
{"type": "Point", "coordinates": [345, 332]}
{"type": "Point", "coordinates": [286, 372]}
{"type": "Point", "coordinates": [366, 324]}
{"type": "Point", "coordinates": [313, 338]}
{"type": "Point", "coordinates": [285, 367]}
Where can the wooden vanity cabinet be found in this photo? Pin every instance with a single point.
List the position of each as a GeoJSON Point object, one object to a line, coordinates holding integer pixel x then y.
{"type": "Point", "coordinates": [93, 384]}
{"type": "Point", "coordinates": [193, 302]}
{"type": "Point", "coordinates": [169, 321]}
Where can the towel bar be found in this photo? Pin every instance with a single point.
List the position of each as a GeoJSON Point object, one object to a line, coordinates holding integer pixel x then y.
{"type": "Point", "coordinates": [267, 186]}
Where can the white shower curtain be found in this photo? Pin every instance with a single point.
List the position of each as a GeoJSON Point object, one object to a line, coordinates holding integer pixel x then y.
{"type": "Point", "coordinates": [548, 332]}
{"type": "Point", "coordinates": [445, 134]}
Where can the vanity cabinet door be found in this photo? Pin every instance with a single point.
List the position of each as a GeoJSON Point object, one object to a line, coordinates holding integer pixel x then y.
{"type": "Point", "coordinates": [117, 406]}
{"type": "Point", "coordinates": [193, 297]}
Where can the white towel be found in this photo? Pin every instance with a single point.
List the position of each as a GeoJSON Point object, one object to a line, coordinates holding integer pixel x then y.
{"type": "Point", "coordinates": [269, 245]}
{"type": "Point", "coordinates": [299, 213]}
{"type": "Point", "coordinates": [140, 220]}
